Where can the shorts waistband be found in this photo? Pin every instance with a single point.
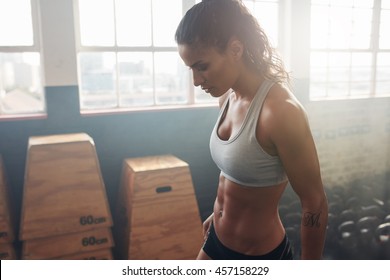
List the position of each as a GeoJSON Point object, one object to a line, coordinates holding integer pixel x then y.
{"type": "Point", "coordinates": [214, 248]}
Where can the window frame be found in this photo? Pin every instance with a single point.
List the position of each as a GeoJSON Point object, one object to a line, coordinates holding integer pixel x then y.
{"type": "Point", "coordinates": [36, 47]}
{"type": "Point", "coordinates": [186, 4]}
{"type": "Point", "coordinates": [373, 50]}
{"type": "Point", "coordinates": [190, 90]}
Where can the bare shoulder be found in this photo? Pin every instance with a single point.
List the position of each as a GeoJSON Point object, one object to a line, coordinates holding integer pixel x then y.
{"type": "Point", "coordinates": [282, 101]}
{"type": "Point", "coordinates": [282, 112]}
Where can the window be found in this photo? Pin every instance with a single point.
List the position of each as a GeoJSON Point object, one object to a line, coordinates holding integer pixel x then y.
{"type": "Point", "coordinates": [127, 56]}
{"type": "Point", "coordinates": [266, 12]}
{"type": "Point", "coordinates": [383, 55]}
{"type": "Point", "coordinates": [348, 59]}
{"type": "Point", "coordinates": [21, 89]}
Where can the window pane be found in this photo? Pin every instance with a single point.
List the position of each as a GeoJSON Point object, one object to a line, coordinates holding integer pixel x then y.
{"type": "Point", "coordinates": [97, 22]}
{"type": "Point", "coordinates": [318, 75]}
{"type": "Point", "coordinates": [319, 27]}
{"type": "Point", "coordinates": [171, 78]}
{"type": "Point", "coordinates": [338, 90]}
{"type": "Point", "coordinates": [97, 80]}
{"type": "Point", "coordinates": [318, 90]}
{"type": "Point", "coordinates": [339, 67]}
{"type": "Point", "coordinates": [360, 89]}
{"type": "Point", "coordinates": [16, 23]}
{"type": "Point", "coordinates": [341, 24]}
{"type": "Point", "coordinates": [341, 3]}
{"type": "Point", "coordinates": [339, 59]}
{"type": "Point", "coordinates": [320, 2]}
{"type": "Point", "coordinates": [361, 31]}
{"type": "Point", "coordinates": [319, 59]}
{"type": "Point", "coordinates": [266, 13]}
{"type": "Point", "coordinates": [340, 27]}
{"type": "Point", "coordinates": [361, 69]}
{"type": "Point", "coordinates": [339, 74]}
{"type": "Point", "coordinates": [165, 21]}
{"type": "Point", "coordinates": [364, 3]}
{"type": "Point", "coordinates": [133, 23]}
{"type": "Point", "coordinates": [385, 4]}
{"type": "Point", "coordinates": [384, 37]}
{"type": "Point", "coordinates": [20, 83]}
{"type": "Point", "coordinates": [135, 79]}
{"type": "Point", "coordinates": [383, 88]}
{"type": "Point", "coordinates": [383, 74]}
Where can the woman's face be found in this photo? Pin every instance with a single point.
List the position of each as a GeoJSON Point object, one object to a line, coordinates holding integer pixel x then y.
{"type": "Point", "coordinates": [214, 71]}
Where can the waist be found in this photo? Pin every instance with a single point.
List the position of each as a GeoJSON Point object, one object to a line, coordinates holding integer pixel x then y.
{"type": "Point", "coordinates": [249, 237]}
{"type": "Point", "coordinates": [247, 219]}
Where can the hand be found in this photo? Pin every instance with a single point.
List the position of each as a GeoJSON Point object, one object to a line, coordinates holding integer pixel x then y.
{"type": "Point", "coordinates": [207, 225]}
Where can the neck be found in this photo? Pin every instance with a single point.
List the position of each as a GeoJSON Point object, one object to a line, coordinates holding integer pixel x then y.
{"type": "Point", "coordinates": [247, 84]}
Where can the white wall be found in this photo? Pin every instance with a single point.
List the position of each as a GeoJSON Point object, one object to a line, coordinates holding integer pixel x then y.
{"type": "Point", "coordinates": [58, 42]}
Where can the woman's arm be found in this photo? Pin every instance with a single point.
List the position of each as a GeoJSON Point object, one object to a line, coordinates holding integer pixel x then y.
{"type": "Point", "coordinates": [290, 133]}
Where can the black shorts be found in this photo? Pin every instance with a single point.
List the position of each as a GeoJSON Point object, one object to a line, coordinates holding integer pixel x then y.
{"type": "Point", "coordinates": [217, 251]}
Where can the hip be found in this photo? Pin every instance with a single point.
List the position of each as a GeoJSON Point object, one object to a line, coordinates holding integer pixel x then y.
{"type": "Point", "coordinates": [216, 249]}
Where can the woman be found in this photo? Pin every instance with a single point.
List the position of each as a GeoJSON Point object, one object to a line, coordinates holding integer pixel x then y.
{"type": "Point", "coordinates": [261, 139]}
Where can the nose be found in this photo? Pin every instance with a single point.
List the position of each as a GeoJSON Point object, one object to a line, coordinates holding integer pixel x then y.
{"type": "Point", "coordinates": [197, 77]}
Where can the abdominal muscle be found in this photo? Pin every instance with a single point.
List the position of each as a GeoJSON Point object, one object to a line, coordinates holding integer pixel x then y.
{"type": "Point", "coordinates": [246, 219]}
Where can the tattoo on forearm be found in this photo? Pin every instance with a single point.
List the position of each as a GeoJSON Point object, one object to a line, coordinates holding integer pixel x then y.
{"type": "Point", "coordinates": [311, 219]}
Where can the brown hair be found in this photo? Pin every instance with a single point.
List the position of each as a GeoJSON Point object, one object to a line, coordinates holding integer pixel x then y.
{"type": "Point", "coordinates": [212, 23]}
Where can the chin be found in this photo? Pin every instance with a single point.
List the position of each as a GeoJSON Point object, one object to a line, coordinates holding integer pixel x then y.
{"type": "Point", "coordinates": [215, 94]}
{"type": "Point", "coordinates": [218, 93]}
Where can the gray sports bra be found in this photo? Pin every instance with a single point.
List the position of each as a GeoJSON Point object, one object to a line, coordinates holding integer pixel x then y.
{"type": "Point", "coordinates": [241, 159]}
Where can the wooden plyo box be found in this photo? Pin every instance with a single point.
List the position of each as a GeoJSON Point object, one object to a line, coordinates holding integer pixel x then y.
{"type": "Point", "coordinates": [157, 215]}
{"type": "Point", "coordinates": [6, 222]}
{"type": "Point", "coordinates": [6, 231]}
{"type": "Point", "coordinates": [69, 244]}
{"type": "Point", "coordinates": [63, 189]}
{"type": "Point", "coordinates": [7, 252]}
{"type": "Point", "coordinates": [7, 235]}
{"type": "Point", "coordinates": [103, 254]}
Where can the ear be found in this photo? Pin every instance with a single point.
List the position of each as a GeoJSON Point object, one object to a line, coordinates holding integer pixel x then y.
{"type": "Point", "coordinates": [236, 48]}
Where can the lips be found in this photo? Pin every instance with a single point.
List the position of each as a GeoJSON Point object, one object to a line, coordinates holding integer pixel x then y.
{"type": "Point", "coordinates": [207, 90]}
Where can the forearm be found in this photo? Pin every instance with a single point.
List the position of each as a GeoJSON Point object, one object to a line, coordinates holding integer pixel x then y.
{"type": "Point", "coordinates": [313, 230]}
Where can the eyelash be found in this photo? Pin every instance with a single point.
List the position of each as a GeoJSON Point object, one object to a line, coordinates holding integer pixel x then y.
{"type": "Point", "coordinates": [200, 68]}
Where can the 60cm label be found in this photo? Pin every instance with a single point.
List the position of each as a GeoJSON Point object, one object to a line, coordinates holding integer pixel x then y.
{"type": "Point", "coordinates": [92, 240]}
{"type": "Point", "coordinates": [91, 220]}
